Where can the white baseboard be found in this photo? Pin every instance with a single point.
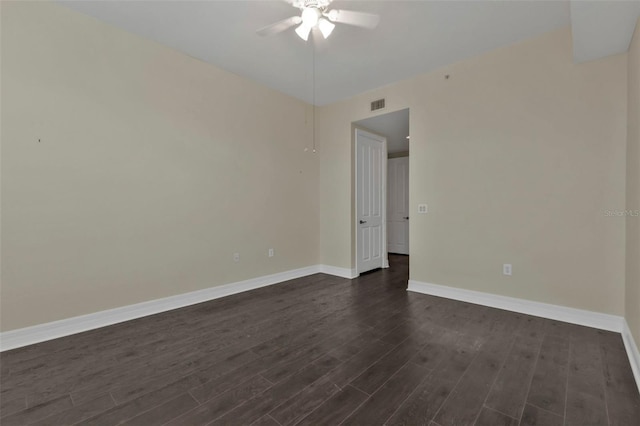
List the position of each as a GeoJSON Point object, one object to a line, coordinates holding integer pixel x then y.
{"type": "Point", "coordinates": [632, 352]}
{"type": "Point", "coordinates": [42, 332]}
{"type": "Point", "coordinates": [555, 312]}
{"type": "Point", "coordinates": [52, 330]}
{"type": "Point", "coordinates": [538, 309]}
{"type": "Point", "coordinates": [339, 272]}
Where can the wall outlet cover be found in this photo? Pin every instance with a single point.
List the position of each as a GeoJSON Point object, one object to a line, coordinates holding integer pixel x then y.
{"type": "Point", "coordinates": [506, 269]}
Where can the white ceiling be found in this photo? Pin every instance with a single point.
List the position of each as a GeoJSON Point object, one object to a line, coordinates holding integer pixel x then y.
{"type": "Point", "coordinates": [602, 28]}
{"type": "Point", "coordinates": [413, 37]}
{"type": "Point", "coordinates": [394, 125]}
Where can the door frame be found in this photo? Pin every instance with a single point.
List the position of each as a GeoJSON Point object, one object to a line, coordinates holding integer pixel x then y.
{"type": "Point", "coordinates": [383, 197]}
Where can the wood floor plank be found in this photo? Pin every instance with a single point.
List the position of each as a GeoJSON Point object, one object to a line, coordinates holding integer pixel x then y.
{"type": "Point", "coordinates": [584, 409]}
{"type": "Point", "coordinates": [214, 387]}
{"type": "Point", "coordinates": [130, 409]}
{"type": "Point", "coordinates": [586, 403]}
{"type": "Point", "coordinates": [262, 404]}
{"type": "Point", "coordinates": [382, 404]}
{"type": "Point", "coordinates": [508, 394]}
{"type": "Point", "coordinates": [78, 413]}
{"type": "Point", "coordinates": [466, 400]}
{"type": "Point", "coordinates": [536, 416]}
{"type": "Point", "coordinates": [216, 407]}
{"type": "Point", "coordinates": [307, 355]}
{"type": "Point", "coordinates": [549, 384]}
{"type": "Point", "coordinates": [347, 351]}
{"type": "Point", "coordinates": [305, 402]}
{"type": "Point", "coordinates": [490, 417]}
{"type": "Point", "coordinates": [164, 412]}
{"type": "Point", "coordinates": [11, 406]}
{"type": "Point", "coordinates": [38, 412]}
{"type": "Point", "coordinates": [265, 421]}
{"type": "Point", "coordinates": [532, 327]}
{"type": "Point", "coordinates": [621, 392]}
{"type": "Point", "coordinates": [355, 366]}
{"type": "Point", "coordinates": [335, 409]}
{"type": "Point", "coordinates": [376, 375]}
{"type": "Point", "coordinates": [423, 404]}
{"type": "Point", "coordinates": [585, 368]}
{"type": "Point", "coordinates": [131, 391]}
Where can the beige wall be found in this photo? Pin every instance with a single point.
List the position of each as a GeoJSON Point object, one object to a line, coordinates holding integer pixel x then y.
{"type": "Point", "coordinates": [633, 188]}
{"type": "Point", "coordinates": [518, 155]}
{"type": "Point", "coordinates": [152, 169]}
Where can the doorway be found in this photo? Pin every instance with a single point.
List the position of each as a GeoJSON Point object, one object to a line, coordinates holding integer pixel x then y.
{"type": "Point", "coordinates": [398, 205]}
{"type": "Point", "coordinates": [394, 129]}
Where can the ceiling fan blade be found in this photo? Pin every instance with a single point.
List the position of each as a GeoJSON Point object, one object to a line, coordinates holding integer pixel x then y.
{"type": "Point", "coordinates": [351, 17]}
{"type": "Point", "coordinates": [279, 26]}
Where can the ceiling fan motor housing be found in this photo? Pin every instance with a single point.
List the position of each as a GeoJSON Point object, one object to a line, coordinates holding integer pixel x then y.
{"type": "Point", "coordinates": [311, 4]}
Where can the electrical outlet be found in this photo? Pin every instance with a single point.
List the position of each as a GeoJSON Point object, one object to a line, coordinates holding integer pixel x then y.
{"type": "Point", "coordinates": [506, 269]}
{"type": "Point", "coordinates": [423, 209]}
{"type": "Point", "coordinates": [271, 253]}
{"type": "Point", "coordinates": [236, 257]}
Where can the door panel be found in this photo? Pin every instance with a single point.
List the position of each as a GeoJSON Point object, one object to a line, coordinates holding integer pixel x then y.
{"type": "Point", "coordinates": [370, 199]}
{"type": "Point", "coordinates": [366, 244]}
{"type": "Point", "coordinates": [376, 244]}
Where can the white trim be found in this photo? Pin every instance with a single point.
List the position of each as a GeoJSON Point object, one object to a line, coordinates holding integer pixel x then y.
{"type": "Point", "coordinates": [42, 332]}
{"type": "Point", "coordinates": [339, 272]}
{"type": "Point", "coordinates": [555, 312]}
{"type": "Point", "coordinates": [632, 352]}
{"type": "Point", "coordinates": [53, 330]}
{"type": "Point", "coordinates": [561, 313]}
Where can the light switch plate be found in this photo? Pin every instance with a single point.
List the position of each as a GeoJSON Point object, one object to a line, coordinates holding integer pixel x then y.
{"type": "Point", "coordinates": [423, 209]}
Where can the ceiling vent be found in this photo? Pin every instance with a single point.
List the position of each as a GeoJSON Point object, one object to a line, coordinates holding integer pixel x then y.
{"type": "Point", "coordinates": [376, 105]}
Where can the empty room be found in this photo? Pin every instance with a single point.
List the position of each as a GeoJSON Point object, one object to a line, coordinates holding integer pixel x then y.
{"type": "Point", "coordinates": [317, 212]}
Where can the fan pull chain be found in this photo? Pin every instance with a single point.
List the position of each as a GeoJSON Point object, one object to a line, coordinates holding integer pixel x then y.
{"type": "Point", "coordinates": [313, 76]}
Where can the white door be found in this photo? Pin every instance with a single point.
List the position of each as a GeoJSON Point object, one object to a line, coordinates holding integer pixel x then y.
{"type": "Point", "coordinates": [371, 161]}
{"type": "Point", "coordinates": [398, 205]}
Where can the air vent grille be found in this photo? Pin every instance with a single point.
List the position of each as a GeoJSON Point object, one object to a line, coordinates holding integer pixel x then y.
{"type": "Point", "coordinates": [376, 105]}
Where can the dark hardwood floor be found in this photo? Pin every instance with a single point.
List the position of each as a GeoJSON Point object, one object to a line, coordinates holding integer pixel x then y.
{"type": "Point", "coordinates": [323, 350]}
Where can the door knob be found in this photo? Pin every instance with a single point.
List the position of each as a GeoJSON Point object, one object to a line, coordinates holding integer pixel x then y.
{"type": "Point", "coordinates": [363, 221]}
{"type": "Point", "coordinates": [406, 217]}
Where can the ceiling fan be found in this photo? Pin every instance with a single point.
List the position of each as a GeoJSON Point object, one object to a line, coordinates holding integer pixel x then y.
{"type": "Point", "coordinates": [316, 13]}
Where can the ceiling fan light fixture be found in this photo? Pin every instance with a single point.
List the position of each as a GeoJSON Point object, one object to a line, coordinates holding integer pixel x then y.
{"type": "Point", "coordinates": [325, 27]}
{"type": "Point", "coordinates": [310, 16]}
{"type": "Point", "coordinates": [303, 31]}
{"type": "Point", "coordinates": [315, 14]}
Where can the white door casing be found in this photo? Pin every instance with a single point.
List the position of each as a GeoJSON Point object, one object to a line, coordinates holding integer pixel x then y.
{"type": "Point", "coordinates": [398, 205]}
{"type": "Point", "coordinates": [371, 235]}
